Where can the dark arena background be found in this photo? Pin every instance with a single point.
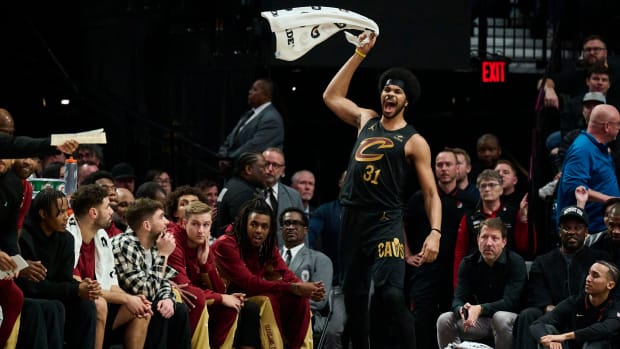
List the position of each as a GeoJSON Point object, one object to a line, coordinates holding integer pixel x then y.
{"type": "Point", "coordinates": [167, 80]}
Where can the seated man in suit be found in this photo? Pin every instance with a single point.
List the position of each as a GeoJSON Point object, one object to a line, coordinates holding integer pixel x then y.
{"type": "Point", "coordinates": [259, 128]}
{"type": "Point", "coordinates": [307, 264]}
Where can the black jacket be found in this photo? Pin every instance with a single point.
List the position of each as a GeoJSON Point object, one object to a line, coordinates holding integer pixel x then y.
{"type": "Point", "coordinates": [57, 255]}
{"type": "Point", "coordinates": [496, 288]}
{"type": "Point", "coordinates": [577, 314]}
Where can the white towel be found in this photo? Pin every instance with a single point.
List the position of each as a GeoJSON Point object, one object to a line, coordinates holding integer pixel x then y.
{"type": "Point", "coordinates": [299, 29]}
{"type": "Point", "coordinates": [105, 272]}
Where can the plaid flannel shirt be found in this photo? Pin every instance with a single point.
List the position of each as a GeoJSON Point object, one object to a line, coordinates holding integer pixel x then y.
{"type": "Point", "coordinates": [134, 276]}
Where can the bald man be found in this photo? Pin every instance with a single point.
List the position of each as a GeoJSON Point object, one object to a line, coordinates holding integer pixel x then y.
{"type": "Point", "coordinates": [588, 162]}
{"type": "Point", "coordinates": [488, 151]}
{"type": "Point", "coordinates": [124, 198]}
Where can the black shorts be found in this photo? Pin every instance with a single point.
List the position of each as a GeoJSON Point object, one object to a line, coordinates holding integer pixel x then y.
{"type": "Point", "coordinates": [372, 247]}
{"type": "Point", "coordinates": [113, 336]}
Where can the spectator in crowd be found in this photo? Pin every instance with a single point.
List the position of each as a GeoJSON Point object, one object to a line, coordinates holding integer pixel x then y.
{"type": "Point", "coordinates": [141, 260]}
{"type": "Point", "coordinates": [119, 217]}
{"type": "Point", "coordinates": [160, 177]}
{"type": "Point", "coordinates": [511, 195]}
{"type": "Point", "coordinates": [577, 111]}
{"type": "Point", "coordinates": [124, 176]}
{"type": "Point", "coordinates": [258, 129]}
{"type": "Point", "coordinates": [488, 151]}
{"type": "Point", "coordinates": [198, 282]}
{"type": "Point", "coordinates": [247, 182]}
{"type": "Point", "coordinates": [54, 159]}
{"type": "Point", "coordinates": [429, 285]}
{"type": "Point", "coordinates": [210, 189]}
{"type": "Point", "coordinates": [463, 167]}
{"type": "Point", "coordinates": [94, 260]}
{"type": "Point", "coordinates": [557, 274]}
{"type": "Point", "coordinates": [609, 240]}
{"type": "Point", "coordinates": [308, 265]}
{"type": "Point", "coordinates": [151, 190]}
{"type": "Point", "coordinates": [89, 153]}
{"type": "Point", "coordinates": [589, 163]}
{"type": "Point", "coordinates": [278, 195]}
{"type": "Point", "coordinates": [45, 239]}
{"type": "Point", "coordinates": [517, 236]}
{"type": "Point", "coordinates": [249, 260]}
{"type": "Point", "coordinates": [103, 179]}
{"type": "Point", "coordinates": [590, 320]}
{"type": "Point", "coordinates": [47, 160]}
{"type": "Point", "coordinates": [570, 81]}
{"type": "Point", "coordinates": [53, 170]}
{"type": "Point", "coordinates": [589, 101]}
{"type": "Point", "coordinates": [303, 181]}
{"type": "Point", "coordinates": [488, 292]}
{"type": "Point", "coordinates": [85, 169]}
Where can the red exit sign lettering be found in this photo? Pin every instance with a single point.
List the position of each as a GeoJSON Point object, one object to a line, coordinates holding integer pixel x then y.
{"type": "Point", "coordinates": [493, 71]}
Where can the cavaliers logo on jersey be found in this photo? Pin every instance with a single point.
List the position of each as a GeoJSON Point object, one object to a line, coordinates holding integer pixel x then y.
{"type": "Point", "coordinates": [367, 150]}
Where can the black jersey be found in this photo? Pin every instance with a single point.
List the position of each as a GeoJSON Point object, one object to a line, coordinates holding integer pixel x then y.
{"type": "Point", "coordinates": [378, 168]}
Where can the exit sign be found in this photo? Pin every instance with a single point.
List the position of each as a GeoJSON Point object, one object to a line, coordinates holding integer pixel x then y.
{"type": "Point", "coordinates": [493, 71]}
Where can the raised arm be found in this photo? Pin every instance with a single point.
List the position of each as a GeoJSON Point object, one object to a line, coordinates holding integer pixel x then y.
{"type": "Point", "coordinates": [335, 95]}
{"type": "Point", "coordinates": [550, 97]}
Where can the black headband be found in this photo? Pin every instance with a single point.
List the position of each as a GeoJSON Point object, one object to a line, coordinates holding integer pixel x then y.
{"type": "Point", "coordinates": [396, 82]}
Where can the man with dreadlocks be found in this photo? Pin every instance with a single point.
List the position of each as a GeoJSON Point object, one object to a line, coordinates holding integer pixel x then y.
{"type": "Point", "coordinates": [249, 260]}
{"type": "Point", "coordinates": [372, 200]}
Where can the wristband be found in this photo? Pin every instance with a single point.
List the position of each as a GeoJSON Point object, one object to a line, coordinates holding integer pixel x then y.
{"type": "Point", "coordinates": [437, 230]}
{"type": "Point", "coordinates": [360, 53]}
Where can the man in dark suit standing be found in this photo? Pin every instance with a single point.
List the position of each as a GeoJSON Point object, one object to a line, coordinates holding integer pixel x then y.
{"type": "Point", "coordinates": [279, 196]}
{"type": "Point", "coordinates": [307, 264]}
{"type": "Point", "coordinates": [259, 128]}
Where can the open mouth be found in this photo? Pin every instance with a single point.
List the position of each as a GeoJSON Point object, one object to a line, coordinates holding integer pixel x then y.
{"type": "Point", "coordinates": [389, 104]}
